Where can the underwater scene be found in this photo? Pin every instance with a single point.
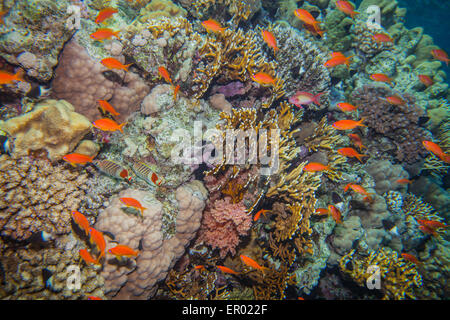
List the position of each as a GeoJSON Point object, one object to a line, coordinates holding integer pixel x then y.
{"type": "Point", "coordinates": [224, 150]}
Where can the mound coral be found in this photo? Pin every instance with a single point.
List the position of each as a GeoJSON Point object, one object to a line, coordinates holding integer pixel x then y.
{"type": "Point", "coordinates": [52, 125]}
{"type": "Point", "coordinates": [83, 81]}
{"type": "Point", "coordinates": [36, 196]}
{"type": "Point", "coordinates": [157, 254]}
{"type": "Point", "coordinates": [223, 224]}
{"type": "Point", "coordinates": [399, 123]}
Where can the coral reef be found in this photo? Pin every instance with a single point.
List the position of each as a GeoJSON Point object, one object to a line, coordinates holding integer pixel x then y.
{"type": "Point", "coordinates": [36, 196]}
{"type": "Point", "coordinates": [52, 125]}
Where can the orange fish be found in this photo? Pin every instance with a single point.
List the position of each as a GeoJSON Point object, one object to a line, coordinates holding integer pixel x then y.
{"type": "Point", "coordinates": [123, 251]}
{"type": "Point", "coordinates": [436, 150]}
{"type": "Point", "coordinates": [440, 55]}
{"type": "Point", "coordinates": [263, 78]}
{"type": "Point", "coordinates": [337, 59]}
{"type": "Point", "coordinates": [380, 37]}
{"type": "Point", "coordinates": [359, 189]}
{"type": "Point", "coordinates": [165, 74]}
{"type": "Point", "coordinates": [99, 240]}
{"type": "Point", "coordinates": [175, 92]}
{"type": "Point", "coordinates": [227, 270]}
{"type": "Point", "coordinates": [81, 221]}
{"type": "Point", "coordinates": [308, 19]}
{"type": "Point", "coordinates": [428, 230]}
{"type": "Point", "coordinates": [410, 258]}
{"type": "Point", "coordinates": [112, 63]}
{"type": "Point", "coordinates": [380, 78]}
{"type": "Point", "coordinates": [350, 152]}
{"type": "Point", "coordinates": [346, 7]}
{"type": "Point", "coordinates": [357, 140]}
{"type": "Point", "coordinates": [105, 14]}
{"type": "Point", "coordinates": [315, 167]}
{"type": "Point", "coordinates": [322, 211]}
{"type": "Point", "coordinates": [77, 158]}
{"type": "Point", "coordinates": [131, 202]}
{"type": "Point", "coordinates": [395, 100]}
{"type": "Point", "coordinates": [270, 39]}
{"type": "Point", "coordinates": [346, 107]}
{"type": "Point", "coordinates": [403, 181]}
{"type": "Point", "coordinates": [252, 263]}
{"type": "Point", "coordinates": [431, 224]}
{"type": "Point", "coordinates": [426, 80]}
{"type": "Point", "coordinates": [200, 267]}
{"type": "Point", "coordinates": [94, 298]}
{"type": "Point", "coordinates": [335, 213]}
{"type": "Point", "coordinates": [300, 298]}
{"type": "Point", "coordinates": [86, 256]}
{"type": "Point", "coordinates": [213, 26]}
{"type": "Point", "coordinates": [104, 34]}
{"type": "Point", "coordinates": [258, 214]}
{"type": "Point", "coordinates": [6, 77]}
{"type": "Point", "coordinates": [106, 124]}
{"type": "Point", "coordinates": [107, 107]}
{"type": "Point", "coordinates": [348, 124]}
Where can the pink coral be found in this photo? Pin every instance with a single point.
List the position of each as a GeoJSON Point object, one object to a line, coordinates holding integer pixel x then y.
{"type": "Point", "coordinates": [222, 225]}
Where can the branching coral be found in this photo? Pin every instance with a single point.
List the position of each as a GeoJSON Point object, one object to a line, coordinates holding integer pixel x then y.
{"type": "Point", "coordinates": [399, 123]}
{"type": "Point", "coordinates": [36, 196]}
{"type": "Point", "coordinates": [238, 9]}
{"type": "Point", "coordinates": [398, 277]}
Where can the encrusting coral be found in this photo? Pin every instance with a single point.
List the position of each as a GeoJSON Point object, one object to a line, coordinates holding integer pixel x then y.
{"type": "Point", "coordinates": [36, 196]}
{"type": "Point", "coordinates": [52, 125]}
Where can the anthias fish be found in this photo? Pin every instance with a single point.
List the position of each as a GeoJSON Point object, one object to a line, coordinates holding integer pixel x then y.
{"type": "Point", "coordinates": [335, 213]}
{"type": "Point", "coordinates": [426, 80]}
{"type": "Point", "coordinates": [212, 25]}
{"type": "Point", "coordinates": [440, 55]}
{"type": "Point", "coordinates": [356, 139]}
{"type": "Point", "coordinates": [252, 263]}
{"type": "Point", "coordinates": [350, 152]}
{"type": "Point", "coordinates": [306, 17]}
{"type": "Point", "coordinates": [315, 167]}
{"type": "Point", "coordinates": [131, 202]}
{"type": "Point", "coordinates": [6, 77]}
{"type": "Point", "coordinates": [163, 73]}
{"type": "Point", "coordinates": [380, 77]}
{"type": "Point", "coordinates": [346, 107]}
{"type": "Point", "coordinates": [348, 124]}
{"type": "Point", "coordinates": [337, 59]}
{"type": "Point", "coordinates": [107, 107]}
{"type": "Point", "coordinates": [123, 251]}
{"type": "Point", "coordinates": [302, 98]}
{"type": "Point", "coordinates": [104, 34]}
{"type": "Point", "coordinates": [381, 37]}
{"type": "Point", "coordinates": [81, 221]}
{"type": "Point", "coordinates": [435, 149]}
{"type": "Point", "coordinates": [258, 214]}
{"type": "Point", "coordinates": [410, 258]}
{"type": "Point", "coordinates": [96, 237]}
{"type": "Point", "coordinates": [106, 124]}
{"type": "Point", "coordinates": [77, 158]}
{"type": "Point", "coordinates": [346, 7]}
{"type": "Point", "coordinates": [269, 38]}
{"type": "Point", "coordinates": [87, 257]}
{"type": "Point", "coordinates": [263, 79]}
{"type": "Point", "coordinates": [113, 63]}
{"type": "Point", "coordinates": [227, 270]}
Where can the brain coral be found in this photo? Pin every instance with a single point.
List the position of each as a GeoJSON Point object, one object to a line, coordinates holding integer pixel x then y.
{"type": "Point", "coordinates": [52, 125]}
{"type": "Point", "coordinates": [157, 254]}
{"type": "Point", "coordinates": [36, 196]}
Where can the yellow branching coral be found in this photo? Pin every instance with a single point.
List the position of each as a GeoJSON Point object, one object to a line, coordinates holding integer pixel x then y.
{"type": "Point", "coordinates": [235, 56]}
{"type": "Point", "coordinates": [398, 277]}
{"type": "Point", "coordinates": [171, 25]}
{"type": "Point", "coordinates": [239, 9]}
{"type": "Point", "coordinates": [272, 284]}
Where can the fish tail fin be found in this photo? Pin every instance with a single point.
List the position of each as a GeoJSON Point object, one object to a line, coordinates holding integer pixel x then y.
{"type": "Point", "coordinates": [354, 13]}
{"type": "Point", "coordinates": [316, 98]}
{"type": "Point", "coordinates": [19, 75]}
{"type": "Point", "coordinates": [446, 157]}
{"type": "Point", "coordinates": [360, 122]}
{"type": "Point", "coordinates": [121, 125]}
{"type": "Point", "coordinates": [116, 34]}
{"type": "Point", "coordinates": [127, 66]}
{"type": "Point", "coordinates": [359, 156]}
